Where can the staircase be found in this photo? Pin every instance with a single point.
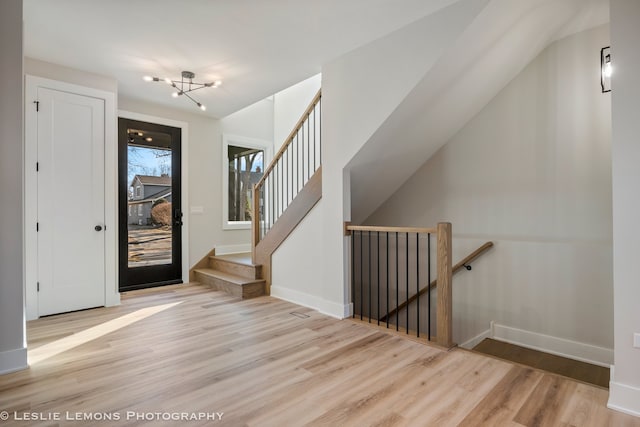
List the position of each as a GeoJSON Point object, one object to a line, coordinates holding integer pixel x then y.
{"type": "Point", "coordinates": [290, 187]}
{"type": "Point", "coordinates": [234, 274]}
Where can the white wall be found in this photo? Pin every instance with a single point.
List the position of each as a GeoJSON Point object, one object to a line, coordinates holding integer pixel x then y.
{"type": "Point", "coordinates": [13, 351]}
{"type": "Point", "coordinates": [625, 33]}
{"type": "Point", "coordinates": [254, 121]}
{"type": "Point", "coordinates": [288, 106]}
{"type": "Point", "coordinates": [359, 91]}
{"type": "Point", "coordinates": [500, 41]}
{"type": "Point", "coordinates": [51, 71]}
{"type": "Point", "coordinates": [531, 172]}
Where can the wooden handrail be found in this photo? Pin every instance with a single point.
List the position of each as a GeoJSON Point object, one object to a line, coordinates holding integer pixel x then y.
{"type": "Point", "coordinates": [289, 139]}
{"type": "Point", "coordinates": [459, 266]}
{"type": "Point", "coordinates": [350, 228]}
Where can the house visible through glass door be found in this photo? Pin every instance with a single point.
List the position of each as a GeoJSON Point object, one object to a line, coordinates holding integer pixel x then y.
{"type": "Point", "coordinates": [150, 212]}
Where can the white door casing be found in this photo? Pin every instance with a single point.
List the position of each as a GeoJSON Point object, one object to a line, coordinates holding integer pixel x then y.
{"type": "Point", "coordinates": [71, 264]}
{"type": "Point", "coordinates": [72, 139]}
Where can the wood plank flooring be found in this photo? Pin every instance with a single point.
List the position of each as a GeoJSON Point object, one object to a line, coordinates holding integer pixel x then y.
{"type": "Point", "coordinates": [581, 371]}
{"type": "Point", "coordinates": [188, 351]}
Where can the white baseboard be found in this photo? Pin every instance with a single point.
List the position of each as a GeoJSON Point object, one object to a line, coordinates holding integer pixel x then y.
{"type": "Point", "coordinates": [623, 397]}
{"type": "Point", "coordinates": [588, 353]}
{"type": "Point", "coordinates": [13, 360]}
{"type": "Point", "coordinates": [469, 344]}
{"type": "Point", "coordinates": [233, 249]}
{"type": "Point", "coordinates": [113, 299]}
{"type": "Point", "coordinates": [338, 311]}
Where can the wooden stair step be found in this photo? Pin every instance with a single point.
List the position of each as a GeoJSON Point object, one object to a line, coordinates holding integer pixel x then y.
{"type": "Point", "coordinates": [233, 284]}
{"type": "Point", "coordinates": [236, 264]}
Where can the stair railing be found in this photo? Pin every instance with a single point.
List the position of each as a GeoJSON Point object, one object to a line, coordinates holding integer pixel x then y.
{"type": "Point", "coordinates": [292, 167]}
{"type": "Point", "coordinates": [464, 263]}
{"type": "Point", "coordinates": [389, 264]}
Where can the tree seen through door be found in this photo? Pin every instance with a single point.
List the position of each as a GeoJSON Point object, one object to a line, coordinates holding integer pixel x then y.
{"type": "Point", "coordinates": [246, 166]}
{"type": "Point", "coordinates": [149, 199]}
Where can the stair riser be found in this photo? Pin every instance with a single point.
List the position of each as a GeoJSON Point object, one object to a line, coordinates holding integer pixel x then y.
{"type": "Point", "coordinates": [247, 291]}
{"type": "Point", "coordinates": [248, 271]}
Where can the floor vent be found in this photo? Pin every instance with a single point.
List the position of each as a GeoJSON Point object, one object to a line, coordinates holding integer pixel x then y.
{"type": "Point", "coordinates": [300, 315]}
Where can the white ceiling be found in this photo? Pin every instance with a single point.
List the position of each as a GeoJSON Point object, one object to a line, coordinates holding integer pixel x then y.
{"type": "Point", "coordinates": [256, 47]}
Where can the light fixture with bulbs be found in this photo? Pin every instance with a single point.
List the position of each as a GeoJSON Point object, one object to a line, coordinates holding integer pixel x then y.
{"type": "Point", "coordinates": [605, 69]}
{"type": "Point", "coordinates": [185, 86]}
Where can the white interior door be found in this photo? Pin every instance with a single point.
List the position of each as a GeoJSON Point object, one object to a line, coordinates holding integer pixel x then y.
{"type": "Point", "coordinates": [70, 206]}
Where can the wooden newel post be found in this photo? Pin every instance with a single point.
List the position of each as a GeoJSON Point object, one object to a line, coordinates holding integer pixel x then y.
{"type": "Point", "coordinates": [444, 312]}
{"type": "Point", "coordinates": [255, 223]}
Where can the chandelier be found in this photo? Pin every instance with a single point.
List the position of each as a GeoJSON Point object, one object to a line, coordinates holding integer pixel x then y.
{"type": "Point", "coordinates": [184, 86]}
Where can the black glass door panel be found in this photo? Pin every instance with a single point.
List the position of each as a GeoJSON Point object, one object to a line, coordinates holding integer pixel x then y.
{"type": "Point", "coordinates": [150, 213]}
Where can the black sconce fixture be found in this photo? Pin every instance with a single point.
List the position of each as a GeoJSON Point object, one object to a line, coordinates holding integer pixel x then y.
{"type": "Point", "coordinates": [605, 69]}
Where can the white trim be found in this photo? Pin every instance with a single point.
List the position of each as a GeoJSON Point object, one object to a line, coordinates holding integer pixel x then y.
{"type": "Point", "coordinates": [112, 294]}
{"type": "Point", "coordinates": [588, 353]}
{"type": "Point", "coordinates": [330, 308]}
{"type": "Point", "coordinates": [13, 360]}
{"type": "Point", "coordinates": [184, 166]}
{"type": "Point", "coordinates": [623, 398]}
{"type": "Point", "coordinates": [32, 83]}
{"type": "Point", "coordinates": [469, 344]}
{"type": "Point", "coordinates": [348, 310]}
{"type": "Point", "coordinates": [242, 141]}
{"type": "Point", "coordinates": [233, 249]}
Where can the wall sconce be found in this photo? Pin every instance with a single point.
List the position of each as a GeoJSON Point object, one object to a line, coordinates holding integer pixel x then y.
{"type": "Point", "coordinates": [605, 69]}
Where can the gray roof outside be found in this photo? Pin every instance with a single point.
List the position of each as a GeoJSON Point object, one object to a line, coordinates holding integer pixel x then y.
{"type": "Point", "coordinates": [152, 180]}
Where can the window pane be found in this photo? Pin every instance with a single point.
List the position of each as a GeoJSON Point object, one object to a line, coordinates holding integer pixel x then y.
{"type": "Point", "coordinates": [150, 220]}
{"type": "Point", "coordinates": [245, 170]}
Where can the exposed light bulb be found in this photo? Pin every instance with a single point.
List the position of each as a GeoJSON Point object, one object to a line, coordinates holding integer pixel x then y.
{"type": "Point", "coordinates": [140, 133]}
{"type": "Point", "coordinates": [175, 94]}
{"type": "Point", "coordinates": [608, 69]}
{"type": "Point", "coordinates": [148, 139]}
{"type": "Point", "coordinates": [202, 107]}
{"type": "Point", "coordinates": [217, 83]}
{"type": "Point", "coordinates": [168, 81]}
{"type": "Point", "coordinates": [147, 78]}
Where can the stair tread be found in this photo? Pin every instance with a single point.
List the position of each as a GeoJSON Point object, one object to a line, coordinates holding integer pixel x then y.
{"type": "Point", "coordinates": [233, 278]}
{"type": "Point", "coordinates": [240, 258]}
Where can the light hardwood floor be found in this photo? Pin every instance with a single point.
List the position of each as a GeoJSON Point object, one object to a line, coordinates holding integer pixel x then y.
{"type": "Point", "coordinates": [266, 362]}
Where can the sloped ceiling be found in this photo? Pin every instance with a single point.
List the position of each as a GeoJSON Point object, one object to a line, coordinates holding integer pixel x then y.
{"type": "Point", "coordinates": [255, 47]}
{"type": "Point", "coordinates": [502, 40]}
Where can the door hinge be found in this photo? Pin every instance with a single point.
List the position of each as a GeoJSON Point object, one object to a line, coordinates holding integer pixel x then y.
{"type": "Point", "coordinates": [37, 166]}
{"type": "Point", "coordinates": [37, 105]}
{"type": "Point", "coordinates": [38, 286]}
{"type": "Point", "coordinates": [37, 226]}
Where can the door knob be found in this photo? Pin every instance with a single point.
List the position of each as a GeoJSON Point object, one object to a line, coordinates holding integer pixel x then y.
{"type": "Point", "coordinates": [98, 228]}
